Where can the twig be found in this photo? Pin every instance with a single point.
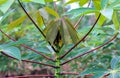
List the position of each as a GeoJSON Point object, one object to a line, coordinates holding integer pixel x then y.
{"type": "Point", "coordinates": [80, 19]}
{"type": "Point", "coordinates": [81, 39]}
{"type": "Point", "coordinates": [90, 51]}
{"type": "Point", "coordinates": [35, 23]}
{"type": "Point", "coordinates": [23, 45]}
{"type": "Point", "coordinates": [29, 61]}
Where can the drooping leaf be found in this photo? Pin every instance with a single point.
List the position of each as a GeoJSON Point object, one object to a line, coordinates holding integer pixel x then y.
{"type": "Point", "coordinates": [72, 31]}
{"type": "Point", "coordinates": [4, 7]}
{"type": "Point", "coordinates": [64, 33]}
{"type": "Point", "coordinates": [52, 32]}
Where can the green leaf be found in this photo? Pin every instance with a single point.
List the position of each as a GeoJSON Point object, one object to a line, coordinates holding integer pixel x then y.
{"type": "Point", "coordinates": [43, 50]}
{"type": "Point", "coordinates": [52, 31]}
{"type": "Point", "coordinates": [3, 1]}
{"type": "Point", "coordinates": [98, 72]}
{"type": "Point", "coordinates": [114, 62]}
{"type": "Point", "coordinates": [39, 1]}
{"type": "Point", "coordinates": [64, 33]}
{"type": "Point", "coordinates": [81, 11]}
{"type": "Point", "coordinates": [4, 7]}
{"type": "Point", "coordinates": [71, 1]}
{"type": "Point", "coordinates": [52, 12]}
{"type": "Point", "coordinates": [97, 4]}
{"type": "Point", "coordinates": [72, 31]}
{"type": "Point", "coordinates": [39, 19]}
{"type": "Point", "coordinates": [107, 13]}
{"type": "Point", "coordinates": [6, 15]}
{"type": "Point", "coordinates": [104, 3]}
{"type": "Point", "coordinates": [115, 19]}
{"type": "Point", "coordinates": [83, 2]}
{"type": "Point", "coordinates": [10, 50]}
{"type": "Point", "coordinates": [36, 1]}
{"type": "Point", "coordinates": [101, 20]}
{"type": "Point", "coordinates": [15, 23]}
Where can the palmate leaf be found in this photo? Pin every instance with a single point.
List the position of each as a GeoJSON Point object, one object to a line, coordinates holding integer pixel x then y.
{"type": "Point", "coordinates": [11, 50]}
{"type": "Point", "coordinates": [97, 4]}
{"type": "Point", "coordinates": [81, 11]}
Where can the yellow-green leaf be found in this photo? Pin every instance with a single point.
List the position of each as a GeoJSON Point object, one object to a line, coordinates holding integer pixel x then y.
{"type": "Point", "coordinates": [52, 12]}
{"type": "Point", "coordinates": [115, 19]}
{"type": "Point", "coordinates": [39, 19]}
{"type": "Point", "coordinates": [15, 23]}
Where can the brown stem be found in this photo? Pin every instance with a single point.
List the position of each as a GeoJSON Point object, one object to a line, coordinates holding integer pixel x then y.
{"type": "Point", "coordinates": [23, 45]}
{"type": "Point", "coordinates": [27, 76]}
{"type": "Point", "coordinates": [81, 39]}
{"type": "Point", "coordinates": [90, 51]}
{"type": "Point", "coordinates": [35, 23]}
{"type": "Point", "coordinates": [80, 19]}
{"type": "Point", "coordinates": [30, 61]}
{"type": "Point", "coordinates": [31, 19]}
{"type": "Point", "coordinates": [69, 73]}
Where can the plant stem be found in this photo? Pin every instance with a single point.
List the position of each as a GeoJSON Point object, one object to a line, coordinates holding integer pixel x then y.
{"type": "Point", "coordinates": [57, 70]}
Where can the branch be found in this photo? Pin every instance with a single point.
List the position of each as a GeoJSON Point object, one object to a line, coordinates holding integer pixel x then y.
{"type": "Point", "coordinates": [80, 19]}
{"type": "Point", "coordinates": [41, 75]}
{"type": "Point", "coordinates": [90, 51]}
{"type": "Point", "coordinates": [35, 24]}
{"type": "Point", "coordinates": [30, 61]}
{"type": "Point", "coordinates": [81, 39]}
{"type": "Point", "coordinates": [69, 73]}
{"type": "Point", "coordinates": [23, 45]}
{"type": "Point", "coordinates": [31, 19]}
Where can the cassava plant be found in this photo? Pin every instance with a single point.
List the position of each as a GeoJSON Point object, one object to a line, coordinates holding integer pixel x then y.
{"type": "Point", "coordinates": [62, 35]}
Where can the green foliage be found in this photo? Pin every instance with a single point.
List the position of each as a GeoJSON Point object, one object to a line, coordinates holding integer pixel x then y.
{"type": "Point", "coordinates": [61, 34]}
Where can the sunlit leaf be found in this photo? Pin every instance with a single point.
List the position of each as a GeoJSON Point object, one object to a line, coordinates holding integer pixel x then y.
{"type": "Point", "coordinates": [4, 7]}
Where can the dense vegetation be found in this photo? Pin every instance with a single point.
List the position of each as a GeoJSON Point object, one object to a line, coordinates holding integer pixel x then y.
{"type": "Point", "coordinates": [53, 37]}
